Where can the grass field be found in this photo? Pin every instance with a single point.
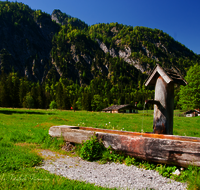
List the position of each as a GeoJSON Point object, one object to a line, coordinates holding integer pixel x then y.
{"type": "Point", "coordinates": [30, 128]}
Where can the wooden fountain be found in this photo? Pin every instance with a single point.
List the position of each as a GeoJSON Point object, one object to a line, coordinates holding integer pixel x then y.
{"type": "Point", "coordinates": [163, 80]}
{"type": "Point", "coordinates": [160, 146]}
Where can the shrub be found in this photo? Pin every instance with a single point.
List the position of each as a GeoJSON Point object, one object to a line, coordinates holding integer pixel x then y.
{"type": "Point", "coordinates": [53, 105]}
{"type": "Point", "coordinates": [28, 102]}
{"type": "Point", "coordinates": [110, 155]}
{"type": "Point", "coordinates": [129, 161]}
{"type": "Point", "coordinates": [166, 171]}
{"type": "Point", "coordinates": [92, 149]}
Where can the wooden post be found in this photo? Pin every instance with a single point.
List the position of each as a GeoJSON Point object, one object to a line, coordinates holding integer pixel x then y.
{"type": "Point", "coordinates": [163, 112]}
{"type": "Point", "coordinates": [164, 80]}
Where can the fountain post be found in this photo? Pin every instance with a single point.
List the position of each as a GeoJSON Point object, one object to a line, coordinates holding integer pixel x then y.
{"type": "Point", "coordinates": [163, 80]}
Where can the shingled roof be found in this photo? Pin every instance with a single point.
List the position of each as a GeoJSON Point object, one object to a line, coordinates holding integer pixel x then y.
{"type": "Point", "coordinates": [169, 75]}
{"type": "Point", "coordinates": [191, 111]}
{"type": "Point", "coordinates": [115, 107]}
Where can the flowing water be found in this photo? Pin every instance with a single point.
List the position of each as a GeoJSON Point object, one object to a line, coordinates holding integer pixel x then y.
{"type": "Point", "coordinates": [142, 130]}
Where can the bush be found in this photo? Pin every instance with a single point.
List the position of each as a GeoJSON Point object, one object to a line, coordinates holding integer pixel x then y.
{"type": "Point", "coordinates": [28, 102]}
{"type": "Point", "coordinates": [110, 155]}
{"type": "Point", "coordinates": [166, 171]}
{"type": "Point", "coordinates": [92, 149]}
{"type": "Point", "coordinates": [129, 161]}
{"type": "Point", "coordinates": [53, 105]}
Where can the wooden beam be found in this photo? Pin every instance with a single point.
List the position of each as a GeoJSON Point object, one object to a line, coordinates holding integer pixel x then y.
{"type": "Point", "coordinates": [167, 149]}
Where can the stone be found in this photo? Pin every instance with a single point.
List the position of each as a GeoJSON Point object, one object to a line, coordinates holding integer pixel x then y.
{"type": "Point", "coordinates": [177, 172]}
{"type": "Point", "coordinates": [68, 146]}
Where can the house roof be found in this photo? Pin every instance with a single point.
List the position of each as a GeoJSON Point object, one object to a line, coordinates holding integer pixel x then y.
{"type": "Point", "coordinates": [192, 111]}
{"type": "Point", "coordinates": [117, 107]}
{"type": "Point", "coordinates": [197, 110]}
{"type": "Point", "coordinates": [169, 75]}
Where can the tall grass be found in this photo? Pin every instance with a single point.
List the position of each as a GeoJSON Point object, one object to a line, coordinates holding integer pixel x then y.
{"type": "Point", "coordinates": [14, 158]}
{"type": "Point", "coordinates": [17, 163]}
{"type": "Point", "coordinates": [34, 124]}
{"type": "Point", "coordinates": [21, 126]}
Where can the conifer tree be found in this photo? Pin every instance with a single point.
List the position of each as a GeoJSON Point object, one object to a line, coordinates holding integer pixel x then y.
{"type": "Point", "coordinates": [23, 89]}
{"type": "Point", "coordinates": [59, 95]}
{"type": "Point", "coordinates": [189, 94]}
{"type": "Point", "coordinates": [3, 90]}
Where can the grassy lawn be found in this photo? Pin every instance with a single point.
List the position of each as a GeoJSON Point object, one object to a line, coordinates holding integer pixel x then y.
{"type": "Point", "coordinates": [30, 128]}
{"type": "Point", "coordinates": [30, 122]}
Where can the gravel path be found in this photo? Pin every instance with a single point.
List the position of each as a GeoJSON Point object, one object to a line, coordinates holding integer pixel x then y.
{"type": "Point", "coordinates": [106, 175]}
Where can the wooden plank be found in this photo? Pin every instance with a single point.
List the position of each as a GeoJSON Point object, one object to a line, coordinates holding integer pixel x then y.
{"type": "Point", "coordinates": [163, 74]}
{"type": "Point", "coordinates": [156, 72]}
{"type": "Point", "coordinates": [174, 152]}
{"type": "Point", "coordinates": [151, 78]}
{"type": "Point", "coordinates": [77, 136]}
{"type": "Point", "coordinates": [56, 131]}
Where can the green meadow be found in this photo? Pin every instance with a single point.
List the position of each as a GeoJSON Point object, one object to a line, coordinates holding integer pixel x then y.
{"type": "Point", "coordinates": [24, 131]}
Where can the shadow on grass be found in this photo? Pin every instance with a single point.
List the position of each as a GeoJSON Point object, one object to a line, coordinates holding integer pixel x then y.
{"type": "Point", "coordinates": [10, 112]}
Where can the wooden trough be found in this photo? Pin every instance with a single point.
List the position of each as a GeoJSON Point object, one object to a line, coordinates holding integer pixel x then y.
{"type": "Point", "coordinates": [160, 148]}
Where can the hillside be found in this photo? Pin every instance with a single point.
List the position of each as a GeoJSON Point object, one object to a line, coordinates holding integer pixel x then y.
{"type": "Point", "coordinates": [58, 61]}
{"type": "Point", "coordinates": [42, 46]}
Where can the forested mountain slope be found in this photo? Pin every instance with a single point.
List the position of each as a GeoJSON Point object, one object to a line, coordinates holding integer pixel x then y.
{"type": "Point", "coordinates": [40, 45]}
{"type": "Point", "coordinates": [25, 40]}
{"type": "Point", "coordinates": [46, 58]}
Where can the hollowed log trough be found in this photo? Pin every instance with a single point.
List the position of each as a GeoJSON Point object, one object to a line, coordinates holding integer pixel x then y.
{"type": "Point", "coordinates": [167, 149]}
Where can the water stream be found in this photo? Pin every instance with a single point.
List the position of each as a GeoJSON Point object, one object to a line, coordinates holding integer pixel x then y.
{"type": "Point", "coordinates": [142, 130]}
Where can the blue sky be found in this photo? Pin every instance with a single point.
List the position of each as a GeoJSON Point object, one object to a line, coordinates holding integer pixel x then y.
{"type": "Point", "coordinates": [180, 19]}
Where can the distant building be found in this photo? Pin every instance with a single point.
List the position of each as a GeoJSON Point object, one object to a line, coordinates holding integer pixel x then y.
{"type": "Point", "coordinates": [192, 113]}
{"type": "Point", "coordinates": [121, 109]}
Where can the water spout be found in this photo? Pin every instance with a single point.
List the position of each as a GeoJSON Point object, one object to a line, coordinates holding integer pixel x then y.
{"type": "Point", "coordinates": [152, 102]}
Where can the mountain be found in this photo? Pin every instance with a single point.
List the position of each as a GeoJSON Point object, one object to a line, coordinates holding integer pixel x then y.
{"type": "Point", "coordinates": [45, 47]}
{"type": "Point", "coordinates": [64, 19]}
{"type": "Point", "coordinates": [25, 40]}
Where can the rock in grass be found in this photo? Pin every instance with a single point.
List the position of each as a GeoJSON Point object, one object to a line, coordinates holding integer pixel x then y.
{"type": "Point", "coordinates": [177, 172]}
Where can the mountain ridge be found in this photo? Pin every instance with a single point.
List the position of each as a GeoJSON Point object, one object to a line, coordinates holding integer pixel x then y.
{"type": "Point", "coordinates": [42, 46]}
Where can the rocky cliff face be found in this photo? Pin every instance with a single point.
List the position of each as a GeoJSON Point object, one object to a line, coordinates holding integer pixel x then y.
{"type": "Point", "coordinates": [25, 41]}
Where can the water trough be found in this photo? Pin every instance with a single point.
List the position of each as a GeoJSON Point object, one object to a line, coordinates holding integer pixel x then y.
{"type": "Point", "coordinates": [160, 148]}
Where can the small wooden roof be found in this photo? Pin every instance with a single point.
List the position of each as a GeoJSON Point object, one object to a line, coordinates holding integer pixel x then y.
{"type": "Point", "coordinates": [118, 107]}
{"type": "Point", "coordinates": [169, 75]}
{"type": "Point", "coordinates": [192, 111]}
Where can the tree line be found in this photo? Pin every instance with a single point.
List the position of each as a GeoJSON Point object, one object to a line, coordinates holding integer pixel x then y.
{"type": "Point", "coordinates": [19, 92]}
